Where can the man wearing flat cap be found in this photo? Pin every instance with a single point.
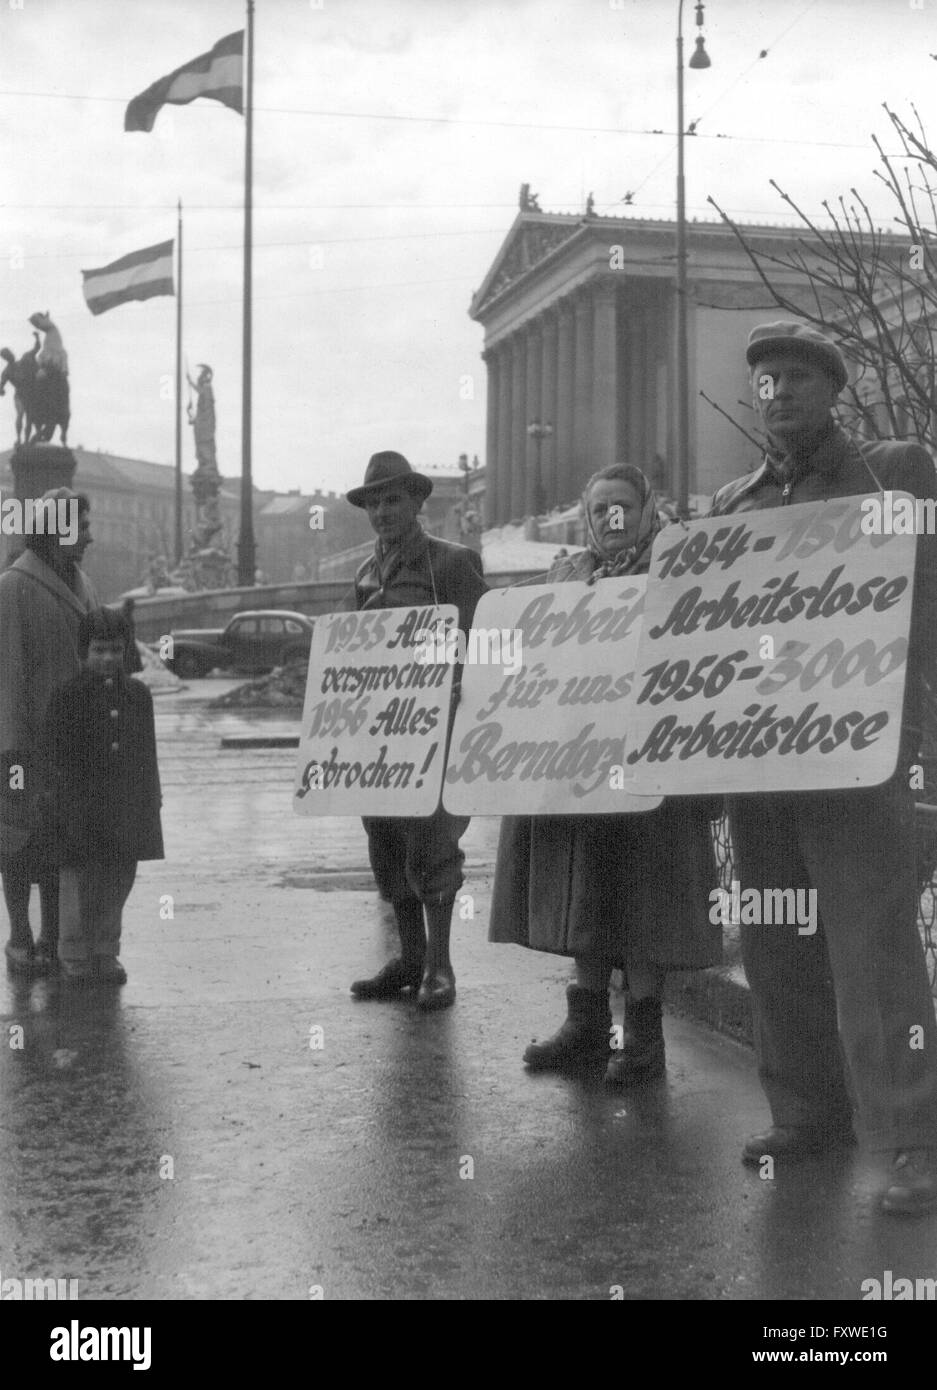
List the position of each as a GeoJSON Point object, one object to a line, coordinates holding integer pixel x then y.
{"type": "Point", "coordinates": [835, 1013]}
{"type": "Point", "coordinates": [417, 862]}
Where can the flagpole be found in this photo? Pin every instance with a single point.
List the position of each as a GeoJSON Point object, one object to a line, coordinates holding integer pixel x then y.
{"type": "Point", "coordinates": [246, 557]}
{"type": "Point", "coordinates": [178, 502]}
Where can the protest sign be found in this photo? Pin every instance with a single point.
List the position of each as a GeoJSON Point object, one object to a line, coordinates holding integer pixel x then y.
{"type": "Point", "coordinates": [373, 739]}
{"type": "Point", "coordinates": [773, 653]}
{"type": "Point", "coordinates": [547, 735]}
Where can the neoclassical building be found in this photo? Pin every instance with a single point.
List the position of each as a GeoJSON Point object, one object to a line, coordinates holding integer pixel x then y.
{"type": "Point", "coordinates": [578, 313]}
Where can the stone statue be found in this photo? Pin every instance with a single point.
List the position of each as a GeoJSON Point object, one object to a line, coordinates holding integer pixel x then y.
{"type": "Point", "coordinates": [52, 355]}
{"type": "Point", "coordinates": [40, 384]}
{"type": "Point", "coordinates": [207, 565]}
{"type": "Point", "coordinates": [20, 374]}
{"type": "Point", "coordinates": [470, 521]}
{"type": "Point", "coordinates": [206, 480]}
{"type": "Point", "coordinates": [202, 419]}
{"type": "Point", "coordinates": [157, 576]}
{"type": "Point", "coordinates": [590, 206]}
{"type": "Point", "coordinates": [528, 202]}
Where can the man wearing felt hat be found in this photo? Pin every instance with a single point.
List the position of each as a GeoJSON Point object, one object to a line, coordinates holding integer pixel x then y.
{"type": "Point", "coordinates": [834, 1012]}
{"type": "Point", "coordinates": [417, 862]}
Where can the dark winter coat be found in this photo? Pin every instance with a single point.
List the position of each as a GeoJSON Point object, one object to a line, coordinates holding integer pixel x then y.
{"type": "Point", "coordinates": [39, 620]}
{"type": "Point", "coordinates": [425, 570]}
{"type": "Point", "coordinates": [625, 888]}
{"type": "Point", "coordinates": [100, 743]}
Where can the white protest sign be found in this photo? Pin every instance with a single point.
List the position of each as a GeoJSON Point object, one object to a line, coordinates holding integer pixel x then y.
{"type": "Point", "coordinates": [373, 739]}
{"type": "Point", "coordinates": [773, 653]}
{"type": "Point", "coordinates": [543, 733]}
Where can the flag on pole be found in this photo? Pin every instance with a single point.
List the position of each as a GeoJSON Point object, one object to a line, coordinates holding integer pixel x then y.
{"type": "Point", "coordinates": [217, 74]}
{"type": "Point", "coordinates": [141, 275]}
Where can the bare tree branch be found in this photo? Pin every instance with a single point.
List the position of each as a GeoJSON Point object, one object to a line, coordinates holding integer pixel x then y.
{"type": "Point", "coordinates": [874, 292]}
{"type": "Point", "coordinates": [759, 444]}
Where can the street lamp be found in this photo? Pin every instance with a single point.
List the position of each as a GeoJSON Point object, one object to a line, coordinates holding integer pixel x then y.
{"type": "Point", "coordinates": [539, 433]}
{"type": "Point", "coordinates": [700, 59]}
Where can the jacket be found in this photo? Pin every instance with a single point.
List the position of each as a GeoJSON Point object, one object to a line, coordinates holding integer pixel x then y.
{"type": "Point", "coordinates": [424, 571]}
{"type": "Point", "coordinates": [844, 467]}
{"type": "Point", "coordinates": [100, 743]}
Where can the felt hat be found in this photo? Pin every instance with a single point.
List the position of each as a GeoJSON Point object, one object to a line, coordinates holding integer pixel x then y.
{"type": "Point", "coordinates": [389, 469]}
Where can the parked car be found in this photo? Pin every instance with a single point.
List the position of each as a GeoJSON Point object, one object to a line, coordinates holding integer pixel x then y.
{"type": "Point", "coordinates": [252, 643]}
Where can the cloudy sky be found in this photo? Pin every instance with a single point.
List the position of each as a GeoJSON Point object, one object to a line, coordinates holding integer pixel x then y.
{"type": "Point", "coordinates": [391, 137]}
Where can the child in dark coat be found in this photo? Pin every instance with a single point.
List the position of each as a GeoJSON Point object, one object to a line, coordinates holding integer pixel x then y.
{"type": "Point", "coordinates": [101, 746]}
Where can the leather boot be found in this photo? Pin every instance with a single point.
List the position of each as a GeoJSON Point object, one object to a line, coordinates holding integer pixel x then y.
{"type": "Point", "coordinates": [641, 1056]}
{"type": "Point", "coordinates": [582, 1040]}
{"type": "Point", "coordinates": [406, 970]}
{"type": "Point", "coordinates": [437, 988]}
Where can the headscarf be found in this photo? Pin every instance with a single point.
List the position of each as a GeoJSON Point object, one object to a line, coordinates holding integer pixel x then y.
{"type": "Point", "coordinates": [622, 561]}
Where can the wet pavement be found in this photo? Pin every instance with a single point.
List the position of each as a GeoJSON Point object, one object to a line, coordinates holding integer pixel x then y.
{"type": "Point", "coordinates": [231, 1124]}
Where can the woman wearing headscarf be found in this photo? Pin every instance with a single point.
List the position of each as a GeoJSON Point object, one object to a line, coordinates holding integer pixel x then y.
{"type": "Point", "coordinates": [629, 891]}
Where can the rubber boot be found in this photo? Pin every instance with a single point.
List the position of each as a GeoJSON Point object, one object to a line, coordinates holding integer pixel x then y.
{"type": "Point", "coordinates": [404, 971]}
{"type": "Point", "coordinates": [437, 989]}
{"type": "Point", "coordinates": [641, 1056]}
{"type": "Point", "coordinates": [582, 1039]}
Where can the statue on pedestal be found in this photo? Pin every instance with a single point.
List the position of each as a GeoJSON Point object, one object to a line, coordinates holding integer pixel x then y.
{"type": "Point", "coordinates": [50, 408]}
{"type": "Point", "coordinates": [40, 385]}
{"type": "Point", "coordinates": [207, 565]}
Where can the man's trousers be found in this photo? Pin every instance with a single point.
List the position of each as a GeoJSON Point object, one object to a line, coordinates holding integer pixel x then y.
{"type": "Point", "coordinates": [864, 966]}
{"type": "Point", "coordinates": [417, 857]}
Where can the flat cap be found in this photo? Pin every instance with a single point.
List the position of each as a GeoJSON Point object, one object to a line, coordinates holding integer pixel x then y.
{"type": "Point", "coordinates": [799, 338]}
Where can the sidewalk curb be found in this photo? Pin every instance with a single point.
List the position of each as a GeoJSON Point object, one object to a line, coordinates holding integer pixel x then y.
{"type": "Point", "coordinates": [719, 997]}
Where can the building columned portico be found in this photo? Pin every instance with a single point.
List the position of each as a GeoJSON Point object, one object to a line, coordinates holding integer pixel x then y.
{"type": "Point", "coordinates": [578, 313]}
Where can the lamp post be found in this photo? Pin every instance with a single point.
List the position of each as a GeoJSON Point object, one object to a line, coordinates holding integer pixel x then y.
{"type": "Point", "coordinates": [700, 59]}
{"type": "Point", "coordinates": [539, 433]}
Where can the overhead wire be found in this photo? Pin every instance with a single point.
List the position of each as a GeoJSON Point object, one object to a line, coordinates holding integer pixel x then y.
{"type": "Point", "coordinates": [697, 135]}
{"type": "Point", "coordinates": [462, 120]}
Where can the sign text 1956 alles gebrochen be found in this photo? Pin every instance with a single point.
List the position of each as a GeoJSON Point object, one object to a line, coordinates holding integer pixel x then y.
{"type": "Point", "coordinates": [375, 718]}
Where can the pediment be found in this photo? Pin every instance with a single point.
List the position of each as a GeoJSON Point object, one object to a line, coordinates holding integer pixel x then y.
{"type": "Point", "coordinates": [530, 240]}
